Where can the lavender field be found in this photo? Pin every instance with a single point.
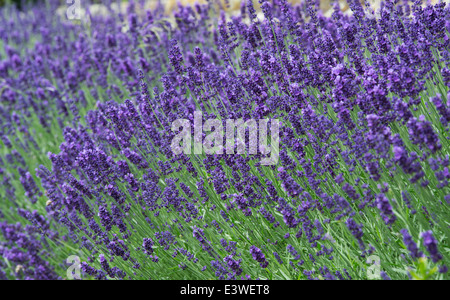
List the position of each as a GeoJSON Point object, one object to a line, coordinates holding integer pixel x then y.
{"type": "Point", "coordinates": [100, 180]}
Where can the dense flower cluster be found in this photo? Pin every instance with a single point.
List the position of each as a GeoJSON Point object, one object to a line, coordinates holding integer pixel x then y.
{"type": "Point", "coordinates": [86, 110]}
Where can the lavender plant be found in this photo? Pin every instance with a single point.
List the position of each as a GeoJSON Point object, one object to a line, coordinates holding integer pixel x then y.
{"type": "Point", "coordinates": [87, 167]}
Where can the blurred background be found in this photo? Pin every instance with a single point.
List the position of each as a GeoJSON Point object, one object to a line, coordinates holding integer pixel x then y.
{"type": "Point", "coordinates": [230, 6]}
{"type": "Point", "coordinates": [171, 5]}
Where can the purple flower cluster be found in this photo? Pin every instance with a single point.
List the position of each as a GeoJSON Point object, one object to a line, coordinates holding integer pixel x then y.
{"type": "Point", "coordinates": [259, 256]}
{"type": "Point", "coordinates": [363, 124]}
{"type": "Point", "coordinates": [431, 244]}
